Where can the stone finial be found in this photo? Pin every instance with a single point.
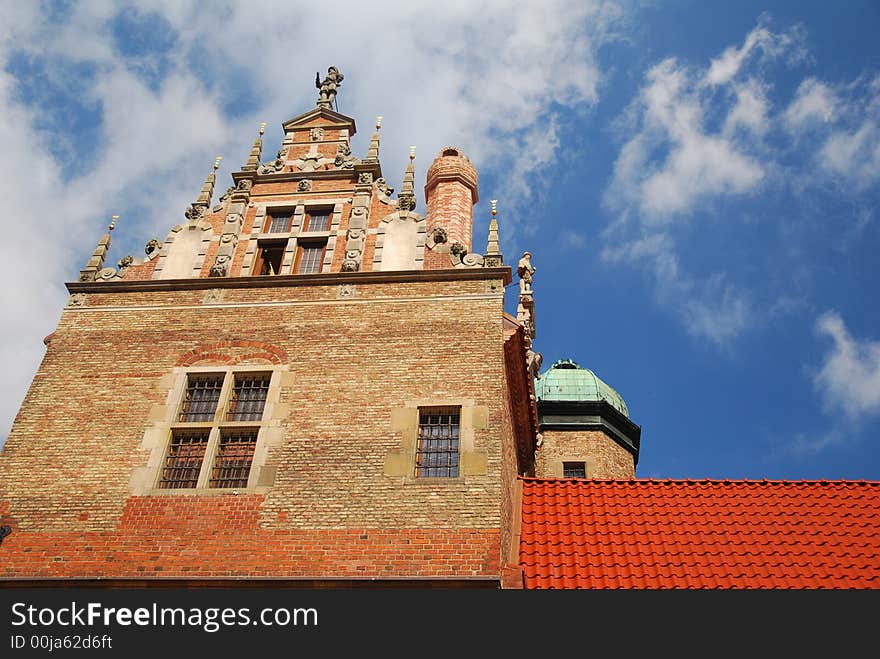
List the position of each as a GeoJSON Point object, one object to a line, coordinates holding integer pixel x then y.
{"type": "Point", "coordinates": [373, 151]}
{"type": "Point", "coordinates": [328, 87]}
{"type": "Point", "coordinates": [493, 258]}
{"type": "Point", "coordinates": [96, 261]}
{"type": "Point", "coordinates": [406, 200]}
{"type": "Point", "coordinates": [197, 209]}
{"type": "Point", "coordinates": [253, 160]}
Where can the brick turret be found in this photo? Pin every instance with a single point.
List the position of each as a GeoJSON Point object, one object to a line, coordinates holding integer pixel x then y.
{"type": "Point", "coordinates": [450, 193]}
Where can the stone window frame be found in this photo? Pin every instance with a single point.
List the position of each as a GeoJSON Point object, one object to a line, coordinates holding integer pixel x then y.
{"type": "Point", "coordinates": [582, 463]}
{"type": "Point", "coordinates": [158, 436]}
{"type": "Point", "coordinates": [557, 465]}
{"type": "Point", "coordinates": [300, 208]}
{"type": "Point", "coordinates": [472, 462]}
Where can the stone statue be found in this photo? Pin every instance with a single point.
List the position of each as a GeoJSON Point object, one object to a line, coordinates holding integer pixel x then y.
{"type": "Point", "coordinates": [525, 270]}
{"type": "Point", "coordinates": [328, 87]}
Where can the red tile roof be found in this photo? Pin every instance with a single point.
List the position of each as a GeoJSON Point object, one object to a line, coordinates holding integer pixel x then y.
{"type": "Point", "coordinates": [698, 534]}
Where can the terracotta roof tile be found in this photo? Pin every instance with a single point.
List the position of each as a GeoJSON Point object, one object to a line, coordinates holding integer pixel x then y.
{"type": "Point", "coordinates": [699, 534]}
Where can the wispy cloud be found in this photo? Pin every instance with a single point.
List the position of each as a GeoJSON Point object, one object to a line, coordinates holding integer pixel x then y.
{"type": "Point", "coordinates": [849, 378]}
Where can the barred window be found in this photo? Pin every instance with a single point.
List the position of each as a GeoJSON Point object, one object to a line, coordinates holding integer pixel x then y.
{"type": "Point", "coordinates": [437, 451]}
{"type": "Point", "coordinates": [210, 450]}
{"type": "Point", "coordinates": [574, 469]}
{"type": "Point", "coordinates": [184, 459]}
{"type": "Point", "coordinates": [235, 453]}
{"type": "Point", "coordinates": [248, 397]}
{"type": "Point", "coordinates": [201, 398]}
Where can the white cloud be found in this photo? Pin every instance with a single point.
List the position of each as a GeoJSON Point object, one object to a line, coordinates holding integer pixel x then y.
{"type": "Point", "coordinates": [760, 40]}
{"type": "Point", "coordinates": [436, 78]}
{"type": "Point", "coordinates": [750, 111]}
{"type": "Point", "coordinates": [814, 102]}
{"type": "Point", "coordinates": [693, 164]}
{"type": "Point", "coordinates": [849, 379]}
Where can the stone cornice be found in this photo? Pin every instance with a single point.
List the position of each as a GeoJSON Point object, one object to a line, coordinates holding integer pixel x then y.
{"type": "Point", "coordinates": [278, 281]}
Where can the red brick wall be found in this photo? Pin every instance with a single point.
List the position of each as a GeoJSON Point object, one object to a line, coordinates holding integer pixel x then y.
{"type": "Point", "coordinates": [332, 510]}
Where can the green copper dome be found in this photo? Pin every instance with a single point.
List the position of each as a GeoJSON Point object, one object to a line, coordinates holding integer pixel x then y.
{"type": "Point", "coordinates": [566, 380]}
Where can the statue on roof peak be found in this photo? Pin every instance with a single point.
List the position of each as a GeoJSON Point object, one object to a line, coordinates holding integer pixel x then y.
{"type": "Point", "coordinates": [328, 87]}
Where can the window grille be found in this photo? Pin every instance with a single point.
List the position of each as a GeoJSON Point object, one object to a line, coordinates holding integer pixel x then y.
{"type": "Point", "coordinates": [437, 454]}
{"type": "Point", "coordinates": [248, 397]}
{"type": "Point", "coordinates": [200, 399]}
{"type": "Point", "coordinates": [234, 456]}
{"type": "Point", "coordinates": [574, 470]}
{"type": "Point", "coordinates": [184, 460]}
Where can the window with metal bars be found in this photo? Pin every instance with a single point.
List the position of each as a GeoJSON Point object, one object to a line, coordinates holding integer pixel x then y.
{"type": "Point", "coordinates": [437, 451]}
{"type": "Point", "coordinates": [184, 459]}
{"type": "Point", "coordinates": [310, 257]}
{"type": "Point", "coordinates": [232, 466]}
{"type": "Point", "coordinates": [317, 220]}
{"type": "Point", "coordinates": [248, 397]}
{"type": "Point", "coordinates": [574, 469]}
{"type": "Point", "coordinates": [278, 222]}
{"type": "Point", "coordinates": [201, 398]}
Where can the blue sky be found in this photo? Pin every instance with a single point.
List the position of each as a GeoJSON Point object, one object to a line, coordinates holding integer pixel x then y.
{"type": "Point", "coordinates": [698, 183]}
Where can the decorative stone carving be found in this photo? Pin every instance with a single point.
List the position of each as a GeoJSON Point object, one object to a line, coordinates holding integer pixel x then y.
{"type": "Point", "coordinates": [106, 274]}
{"type": "Point", "coordinates": [533, 360]}
{"type": "Point", "coordinates": [194, 213]}
{"type": "Point", "coordinates": [365, 177]}
{"type": "Point", "coordinates": [275, 166]}
{"type": "Point", "coordinates": [493, 261]}
{"type": "Point", "coordinates": [125, 262]}
{"type": "Point", "coordinates": [525, 270]}
{"type": "Point", "coordinates": [350, 265]}
{"type": "Point", "coordinates": [328, 87]}
{"type": "Point", "coordinates": [245, 184]}
{"type": "Point", "coordinates": [226, 195]}
{"type": "Point", "coordinates": [345, 291]}
{"type": "Point", "coordinates": [153, 245]}
{"type": "Point", "coordinates": [458, 250]}
{"type": "Point", "coordinates": [316, 134]}
{"type": "Point", "coordinates": [221, 266]}
{"type": "Point", "coordinates": [439, 236]}
{"type": "Point", "coordinates": [304, 186]}
{"type": "Point", "coordinates": [406, 202]}
{"type": "Point", "coordinates": [77, 300]}
{"type": "Point", "coordinates": [212, 296]}
{"type": "Point", "coordinates": [344, 159]}
{"type": "Point", "coordinates": [472, 260]}
{"type": "Point", "coordinates": [383, 187]}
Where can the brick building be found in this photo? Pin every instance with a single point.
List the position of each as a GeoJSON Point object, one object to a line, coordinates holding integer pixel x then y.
{"type": "Point", "coordinates": [308, 382]}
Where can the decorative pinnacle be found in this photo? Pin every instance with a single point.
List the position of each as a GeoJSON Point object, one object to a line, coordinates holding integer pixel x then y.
{"type": "Point", "coordinates": [217, 162]}
{"type": "Point", "coordinates": [494, 209]}
{"type": "Point", "coordinates": [113, 223]}
{"type": "Point", "coordinates": [493, 247]}
{"type": "Point", "coordinates": [412, 153]}
{"type": "Point", "coordinates": [379, 122]}
{"type": "Point", "coordinates": [253, 160]}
